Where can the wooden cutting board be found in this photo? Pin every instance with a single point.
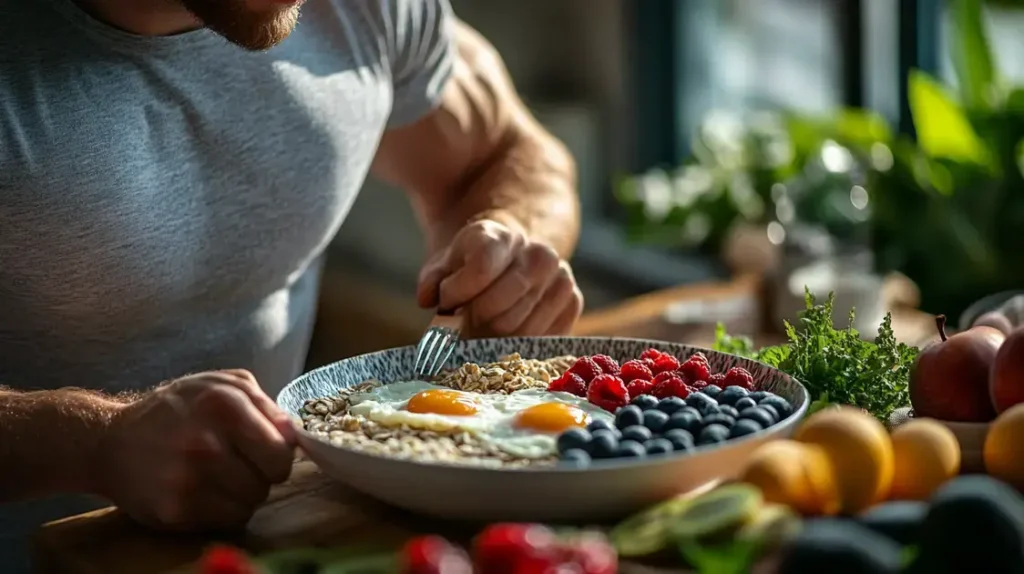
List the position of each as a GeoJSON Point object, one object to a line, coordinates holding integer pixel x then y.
{"type": "Point", "coordinates": [308, 510]}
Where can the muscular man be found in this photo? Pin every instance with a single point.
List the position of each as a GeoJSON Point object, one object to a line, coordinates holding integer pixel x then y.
{"type": "Point", "coordinates": [170, 174]}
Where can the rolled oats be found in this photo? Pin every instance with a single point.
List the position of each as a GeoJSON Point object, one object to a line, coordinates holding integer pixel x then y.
{"type": "Point", "coordinates": [327, 418]}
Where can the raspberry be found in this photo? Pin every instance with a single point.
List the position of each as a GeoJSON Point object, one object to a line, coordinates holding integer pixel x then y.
{"type": "Point", "coordinates": [651, 354]}
{"type": "Point", "coordinates": [512, 548]}
{"type": "Point", "coordinates": [696, 368]}
{"type": "Point", "coordinates": [586, 368]}
{"type": "Point", "coordinates": [740, 377]}
{"type": "Point", "coordinates": [433, 555]}
{"type": "Point", "coordinates": [665, 363]}
{"type": "Point", "coordinates": [671, 385]}
{"type": "Point", "coordinates": [662, 377]}
{"type": "Point", "coordinates": [638, 387]}
{"type": "Point", "coordinates": [717, 379]}
{"type": "Point", "coordinates": [608, 365]}
{"type": "Point", "coordinates": [226, 560]}
{"type": "Point", "coordinates": [697, 385]}
{"type": "Point", "coordinates": [633, 370]}
{"type": "Point", "coordinates": [569, 383]}
{"type": "Point", "coordinates": [608, 392]}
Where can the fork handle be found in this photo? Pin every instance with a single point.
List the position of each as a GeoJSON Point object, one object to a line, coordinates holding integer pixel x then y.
{"type": "Point", "coordinates": [447, 318]}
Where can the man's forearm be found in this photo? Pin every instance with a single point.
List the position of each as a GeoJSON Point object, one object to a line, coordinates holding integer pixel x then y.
{"type": "Point", "coordinates": [530, 184]}
{"type": "Point", "coordinates": [48, 440]}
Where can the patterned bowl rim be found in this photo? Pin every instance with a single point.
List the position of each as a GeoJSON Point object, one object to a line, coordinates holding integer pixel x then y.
{"type": "Point", "coordinates": [595, 465]}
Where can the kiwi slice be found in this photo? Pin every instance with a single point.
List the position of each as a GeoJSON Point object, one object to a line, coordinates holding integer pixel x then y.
{"type": "Point", "coordinates": [772, 526]}
{"type": "Point", "coordinates": [718, 513]}
{"type": "Point", "coordinates": [649, 531]}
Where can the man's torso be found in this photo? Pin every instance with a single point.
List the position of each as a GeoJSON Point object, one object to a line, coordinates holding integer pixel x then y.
{"type": "Point", "coordinates": [164, 202]}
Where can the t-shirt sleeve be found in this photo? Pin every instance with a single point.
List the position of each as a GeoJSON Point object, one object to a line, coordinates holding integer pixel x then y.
{"type": "Point", "coordinates": [422, 56]}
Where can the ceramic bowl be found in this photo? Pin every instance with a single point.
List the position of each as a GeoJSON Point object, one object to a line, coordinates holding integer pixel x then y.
{"type": "Point", "coordinates": [984, 305]}
{"type": "Point", "coordinates": [607, 489]}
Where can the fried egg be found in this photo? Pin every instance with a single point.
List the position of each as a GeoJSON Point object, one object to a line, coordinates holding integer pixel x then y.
{"type": "Point", "coordinates": [524, 424]}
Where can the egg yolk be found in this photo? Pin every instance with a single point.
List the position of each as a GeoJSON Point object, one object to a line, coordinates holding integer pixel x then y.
{"type": "Point", "coordinates": [551, 417]}
{"type": "Point", "coordinates": [442, 402]}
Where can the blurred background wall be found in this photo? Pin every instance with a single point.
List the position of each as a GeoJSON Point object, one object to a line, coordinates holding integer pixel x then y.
{"type": "Point", "coordinates": [631, 87]}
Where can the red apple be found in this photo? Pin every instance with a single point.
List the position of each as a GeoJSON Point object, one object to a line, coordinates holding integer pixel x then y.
{"type": "Point", "coordinates": [950, 380]}
{"type": "Point", "coordinates": [1006, 382]}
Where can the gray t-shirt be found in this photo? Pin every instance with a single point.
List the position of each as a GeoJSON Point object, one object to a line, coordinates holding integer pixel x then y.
{"type": "Point", "coordinates": [165, 202]}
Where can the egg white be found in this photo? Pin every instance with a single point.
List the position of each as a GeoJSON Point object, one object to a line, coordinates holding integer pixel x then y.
{"type": "Point", "coordinates": [493, 423]}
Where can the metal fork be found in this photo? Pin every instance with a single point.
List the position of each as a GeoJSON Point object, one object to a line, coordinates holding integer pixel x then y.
{"type": "Point", "coordinates": [437, 344]}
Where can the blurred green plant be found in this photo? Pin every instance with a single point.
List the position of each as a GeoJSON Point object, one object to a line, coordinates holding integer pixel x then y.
{"type": "Point", "coordinates": [946, 209]}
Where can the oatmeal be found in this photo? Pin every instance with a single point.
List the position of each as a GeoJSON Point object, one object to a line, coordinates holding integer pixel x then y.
{"type": "Point", "coordinates": [430, 439]}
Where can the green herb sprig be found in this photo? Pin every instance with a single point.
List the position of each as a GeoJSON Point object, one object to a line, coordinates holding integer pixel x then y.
{"type": "Point", "coordinates": [836, 365]}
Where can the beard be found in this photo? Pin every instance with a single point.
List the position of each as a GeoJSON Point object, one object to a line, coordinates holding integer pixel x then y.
{"type": "Point", "coordinates": [242, 26]}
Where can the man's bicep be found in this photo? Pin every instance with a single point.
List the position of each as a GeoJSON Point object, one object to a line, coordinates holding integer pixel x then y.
{"type": "Point", "coordinates": [452, 142]}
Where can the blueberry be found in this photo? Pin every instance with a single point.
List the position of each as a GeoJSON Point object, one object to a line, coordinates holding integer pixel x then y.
{"type": "Point", "coordinates": [655, 420]}
{"type": "Point", "coordinates": [758, 396]}
{"type": "Point", "coordinates": [780, 404]}
{"type": "Point", "coordinates": [719, 419]}
{"type": "Point", "coordinates": [628, 416]}
{"type": "Point", "coordinates": [684, 421]}
{"type": "Point", "coordinates": [671, 405]}
{"type": "Point", "coordinates": [600, 424]}
{"type": "Point", "coordinates": [576, 457]}
{"type": "Point", "coordinates": [630, 449]}
{"type": "Point", "coordinates": [681, 439]}
{"type": "Point", "coordinates": [730, 395]}
{"type": "Point", "coordinates": [713, 433]}
{"type": "Point", "coordinates": [638, 433]}
{"type": "Point", "coordinates": [759, 415]}
{"type": "Point", "coordinates": [658, 446]}
{"type": "Point", "coordinates": [698, 400]}
{"type": "Point", "coordinates": [574, 439]}
{"type": "Point", "coordinates": [690, 410]}
{"type": "Point", "coordinates": [645, 402]}
{"type": "Point", "coordinates": [712, 391]}
{"type": "Point", "coordinates": [771, 410]}
{"type": "Point", "coordinates": [744, 427]}
{"type": "Point", "coordinates": [604, 444]}
{"type": "Point", "coordinates": [745, 403]}
{"type": "Point", "coordinates": [710, 409]}
{"type": "Point", "coordinates": [727, 410]}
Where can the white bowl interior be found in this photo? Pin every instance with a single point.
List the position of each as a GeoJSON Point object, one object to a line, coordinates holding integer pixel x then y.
{"type": "Point", "coordinates": [607, 489]}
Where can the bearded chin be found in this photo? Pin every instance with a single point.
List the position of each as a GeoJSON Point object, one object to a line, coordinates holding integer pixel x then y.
{"type": "Point", "coordinates": [237, 24]}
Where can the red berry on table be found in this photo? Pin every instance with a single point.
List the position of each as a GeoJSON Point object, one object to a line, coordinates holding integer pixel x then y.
{"type": "Point", "coordinates": [569, 383]}
{"type": "Point", "coordinates": [502, 548]}
{"type": "Point", "coordinates": [696, 368]}
{"type": "Point", "coordinates": [671, 385]}
{"type": "Point", "coordinates": [633, 370]}
{"type": "Point", "coordinates": [226, 560]}
{"type": "Point", "coordinates": [608, 392]}
{"type": "Point", "coordinates": [608, 365]}
{"type": "Point", "coordinates": [586, 368]}
{"type": "Point", "coordinates": [639, 387]}
{"type": "Point", "coordinates": [665, 363]}
{"type": "Point", "coordinates": [697, 385]}
{"type": "Point", "coordinates": [651, 354]}
{"type": "Point", "coordinates": [717, 379]}
{"type": "Point", "coordinates": [739, 377]}
{"type": "Point", "coordinates": [433, 555]}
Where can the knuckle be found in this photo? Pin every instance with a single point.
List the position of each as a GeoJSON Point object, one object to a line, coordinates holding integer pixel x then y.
{"type": "Point", "coordinates": [219, 399]}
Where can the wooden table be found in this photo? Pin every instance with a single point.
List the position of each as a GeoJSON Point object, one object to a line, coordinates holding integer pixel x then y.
{"type": "Point", "coordinates": [309, 510]}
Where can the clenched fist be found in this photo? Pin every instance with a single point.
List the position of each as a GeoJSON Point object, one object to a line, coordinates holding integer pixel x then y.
{"type": "Point", "coordinates": [198, 453]}
{"type": "Point", "coordinates": [507, 284]}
